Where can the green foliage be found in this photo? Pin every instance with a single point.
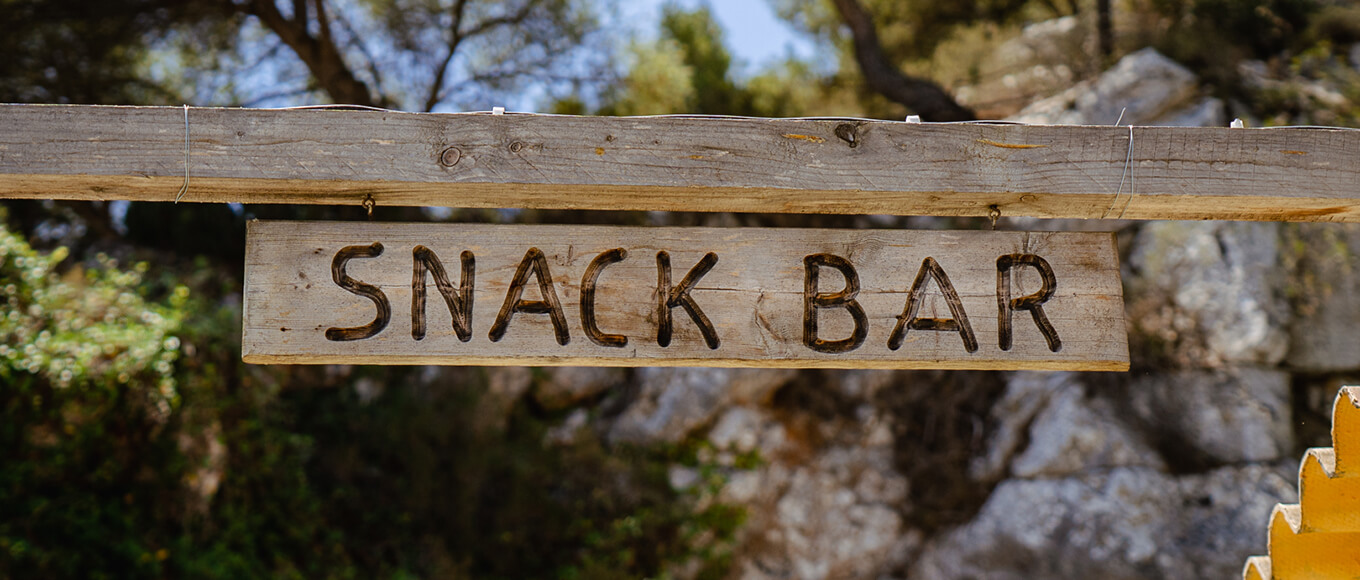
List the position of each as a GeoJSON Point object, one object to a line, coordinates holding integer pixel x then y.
{"type": "Point", "coordinates": [86, 379]}
{"type": "Point", "coordinates": [134, 444]}
{"type": "Point", "coordinates": [78, 51]}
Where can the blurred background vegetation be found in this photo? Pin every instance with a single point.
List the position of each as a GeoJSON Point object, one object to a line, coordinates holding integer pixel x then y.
{"type": "Point", "coordinates": [133, 441]}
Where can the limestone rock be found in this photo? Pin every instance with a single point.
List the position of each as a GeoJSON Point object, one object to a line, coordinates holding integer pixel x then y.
{"type": "Point", "coordinates": [1043, 60]}
{"type": "Point", "coordinates": [673, 402]}
{"type": "Point", "coordinates": [505, 387]}
{"type": "Point", "coordinates": [1207, 293]}
{"type": "Point", "coordinates": [834, 516]}
{"type": "Point", "coordinates": [1233, 416]}
{"type": "Point", "coordinates": [1075, 433]}
{"type": "Point", "coordinates": [564, 387]}
{"type": "Point", "coordinates": [1144, 86]}
{"type": "Point", "coordinates": [1061, 429]}
{"type": "Point", "coordinates": [1325, 293]}
{"type": "Point", "coordinates": [1126, 523]}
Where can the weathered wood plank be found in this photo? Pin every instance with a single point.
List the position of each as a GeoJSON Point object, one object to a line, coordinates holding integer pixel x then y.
{"type": "Point", "coordinates": [755, 296]}
{"type": "Point", "coordinates": [678, 163]}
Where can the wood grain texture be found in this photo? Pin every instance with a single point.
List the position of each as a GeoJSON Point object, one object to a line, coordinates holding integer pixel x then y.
{"type": "Point", "coordinates": [678, 163]}
{"type": "Point", "coordinates": [754, 296]}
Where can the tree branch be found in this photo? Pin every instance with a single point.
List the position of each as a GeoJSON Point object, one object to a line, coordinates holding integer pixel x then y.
{"type": "Point", "coordinates": [455, 38]}
{"type": "Point", "coordinates": [321, 56]}
{"type": "Point", "coordinates": [437, 92]}
{"type": "Point", "coordinates": [919, 95]}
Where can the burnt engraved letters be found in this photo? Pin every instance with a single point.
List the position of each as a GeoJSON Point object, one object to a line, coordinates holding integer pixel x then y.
{"type": "Point", "coordinates": [909, 319]}
{"type": "Point", "coordinates": [459, 303]}
{"type": "Point", "coordinates": [588, 282]}
{"type": "Point", "coordinates": [369, 291]}
{"type": "Point", "coordinates": [1034, 303]}
{"type": "Point", "coordinates": [533, 261]}
{"type": "Point", "coordinates": [818, 301]}
{"type": "Point", "coordinates": [668, 297]}
{"type": "Point", "coordinates": [814, 299]}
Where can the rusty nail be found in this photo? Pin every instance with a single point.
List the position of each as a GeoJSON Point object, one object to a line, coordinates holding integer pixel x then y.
{"type": "Point", "coordinates": [450, 157]}
{"type": "Point", "coordinates": [517, 146]}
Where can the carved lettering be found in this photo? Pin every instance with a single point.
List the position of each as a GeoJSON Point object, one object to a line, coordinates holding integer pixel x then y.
{"type": "Point", "coordinates": [814, 300]}
{"type": "Point", "coordinates": [909, 320]}
{"type": "Point", "coordinates": [369, 291]}
{"type": "Point", "coordinates": [533, 261]}
{"type": "Point", "coordinates": [1034, 303]}
{"type": "Point", "coordinates": [459, 301]}
{"type": "Point", "coordinates": [588, 283]}
{"type": "Point", "coordinates": [669, 297]}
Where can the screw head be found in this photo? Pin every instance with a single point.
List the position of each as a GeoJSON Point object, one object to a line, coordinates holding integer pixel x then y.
{"type": "Point", "coordinates": [450, 157]}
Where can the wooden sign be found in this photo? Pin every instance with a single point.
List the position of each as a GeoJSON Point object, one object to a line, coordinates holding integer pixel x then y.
{"type": "Point", "coordinates": [374, 293]}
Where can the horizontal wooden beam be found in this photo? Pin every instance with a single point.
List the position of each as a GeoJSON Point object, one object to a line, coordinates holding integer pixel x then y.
{"type": "Point", "coordinates": [377, 293]}
{"type": "Point", "coordinates": [479, 160]}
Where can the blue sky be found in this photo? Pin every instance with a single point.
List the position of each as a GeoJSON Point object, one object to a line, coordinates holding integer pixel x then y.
{"type": "Point", "coordinates": [754, 33]}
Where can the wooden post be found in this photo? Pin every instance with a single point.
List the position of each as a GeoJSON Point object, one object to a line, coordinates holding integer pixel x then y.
{"type": "Point", "coordinates": [677, 163]}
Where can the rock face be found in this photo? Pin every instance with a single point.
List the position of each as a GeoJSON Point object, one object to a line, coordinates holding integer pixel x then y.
{"type": "Point", "coordinates": [1217, 417]}
{"type": "Point", "coordinates": [828, 510]}
{"type": "Point", "coordinates": [675, 401]}
{"type": "Point", "coordinates": [1326, 295]}
{"type": "Point", "coordinates": [1167, 472]}
{"type": "Point", "coordinates": [1143, 88]}
{"type": "Point", "coordinates": [1208, 293]}
{"type": "Point", "coordinates": [1122, 523]}
{"type": "Point", "coordinates": [1044, 59]}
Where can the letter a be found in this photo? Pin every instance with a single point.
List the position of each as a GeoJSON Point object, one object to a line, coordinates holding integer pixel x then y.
{"type": "Point", "coordinates": [533, 260]}
{"type": "Point", "coordinates": [813, 300]}
{"type": "Point", "coordinates": [909, 319]}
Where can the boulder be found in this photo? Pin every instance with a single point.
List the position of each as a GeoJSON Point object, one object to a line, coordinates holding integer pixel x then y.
{"type": "Point", "coordinates": [1208, 293]}
{"type": "Point", "coordinates": [1236, 415]}
{"type": "Point", "coordinates": [1047, 426]}
{"type": "Point", "coordinates": [1143, 88]}
{"type": "Point", "coordinates": [1124, 523]}
{"type": "Point", "coordinates": [673, 402]}
{"type": "Point", "coordinates": [563, 387]}
{"type": "Point", "coordinates": [1045, 58]}
{"type": "Point", "coordinates": [835, 514]}
{"type": "Point", "coordinates": [1325, 293]}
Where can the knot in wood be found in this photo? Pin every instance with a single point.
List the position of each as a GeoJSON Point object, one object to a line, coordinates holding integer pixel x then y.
{"type": "Point", "coordinates": [516, 146]}
{"type": "Point", "coordinates": [848, 132]}
{"type": "Point", "coordinates": [450, 157]}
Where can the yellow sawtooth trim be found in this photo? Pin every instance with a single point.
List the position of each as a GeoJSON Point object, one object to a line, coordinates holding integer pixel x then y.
{"type": "Point", "coordinates": [1346, 432]}
{"type": "Point", "coordinates": [1329, 503]}
{"type": "Point", "coordinates": [1296, 554]}
{"type": "Point", "coordinates": [1257, 568]}
{"type": "Point", "coordinates": [1320, 536]}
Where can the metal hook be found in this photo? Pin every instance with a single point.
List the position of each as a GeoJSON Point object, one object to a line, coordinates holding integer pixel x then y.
{"type": "Point", "coordinates": [993, 213]}
{"type": "Point", "coordinates": [369, 204]}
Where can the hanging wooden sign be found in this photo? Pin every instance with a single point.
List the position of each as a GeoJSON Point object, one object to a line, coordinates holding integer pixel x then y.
{"type": "Point", "coordinates": [375, 293]}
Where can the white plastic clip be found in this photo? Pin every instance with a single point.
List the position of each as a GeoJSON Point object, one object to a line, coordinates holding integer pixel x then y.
{"type": "Point", "coordinates": [497, 110]}
{"type": "Point", "coordinates": [913, 118]}
{"type": "Point", "coordinates": [1236, 124]}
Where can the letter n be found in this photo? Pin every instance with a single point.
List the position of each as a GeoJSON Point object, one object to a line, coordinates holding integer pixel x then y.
{"type": "Point", "coordinates": [459, 301]}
